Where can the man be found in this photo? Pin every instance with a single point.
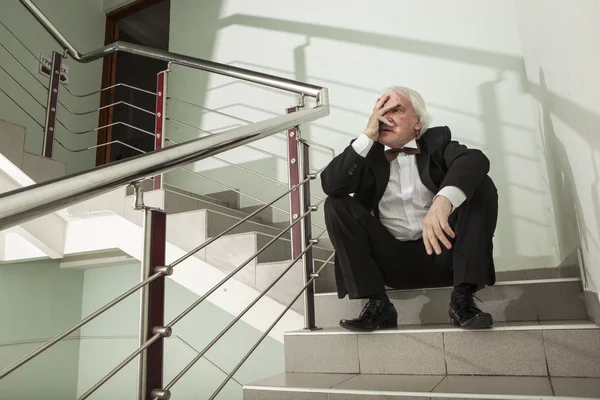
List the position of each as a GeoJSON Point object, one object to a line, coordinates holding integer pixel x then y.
{"type": "Point", "coordinates": [410, 208]}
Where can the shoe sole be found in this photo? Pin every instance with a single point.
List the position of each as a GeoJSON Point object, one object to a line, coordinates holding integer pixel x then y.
{"type": "Point", "coordinates": [383, 325]}
{"type": "Point", "coordinates": [479, 322]}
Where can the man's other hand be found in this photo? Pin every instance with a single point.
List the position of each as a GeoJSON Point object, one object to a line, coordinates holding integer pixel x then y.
{"type": "Point", "coordinates": [377, 117]}
{"type": "Point", "coordinates": [436, 227]}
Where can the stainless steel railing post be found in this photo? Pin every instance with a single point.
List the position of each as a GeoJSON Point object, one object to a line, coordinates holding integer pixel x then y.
{"type": "Point", "coordinates": [51, 105]}
{"type": "Point", "coordinates": [160, 118]}
{"type": "Point", "coordinates": [294, 179]}
{"type": "Point", "coordinates": [306, 233]}
{"type": "Point", "coordinates": [299, 169]}
{"type": "Point", "coordinates": [152, 298]}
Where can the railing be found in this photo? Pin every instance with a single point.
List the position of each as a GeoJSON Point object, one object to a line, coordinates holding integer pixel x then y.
{"type": "Point", "coordinates": [26, 204]}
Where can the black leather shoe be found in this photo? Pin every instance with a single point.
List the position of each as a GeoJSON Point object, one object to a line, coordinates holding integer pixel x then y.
{"type": "Point", "coordinates": [464, 313]}
{"type": "Point", "coordinates": [379, 313]}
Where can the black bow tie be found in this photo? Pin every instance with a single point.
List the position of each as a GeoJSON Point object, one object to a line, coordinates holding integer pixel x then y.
{"type": "Point", "coordinates": [392, 154]}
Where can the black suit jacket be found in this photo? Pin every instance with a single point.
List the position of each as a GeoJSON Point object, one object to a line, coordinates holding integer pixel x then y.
{"type": "Point", "coordinates": [442, 162]}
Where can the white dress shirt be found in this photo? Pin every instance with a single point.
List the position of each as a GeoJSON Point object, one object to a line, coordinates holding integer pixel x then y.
{"type": "Point", "coordinates": [406, 200]}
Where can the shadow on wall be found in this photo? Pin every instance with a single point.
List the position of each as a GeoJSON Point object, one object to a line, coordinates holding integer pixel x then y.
{"type": "Point", "coordinates": [488, 96]}
{"type": "Point", "coordinates": [561, 180]}
{"type": "Point", "coordinates": [569, 216]}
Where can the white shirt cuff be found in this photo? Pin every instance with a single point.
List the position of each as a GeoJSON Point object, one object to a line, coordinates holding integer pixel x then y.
{"type": "Point", "coordinates": [362, 145]}
{"type": "Point", "coordinates": [454, 194]}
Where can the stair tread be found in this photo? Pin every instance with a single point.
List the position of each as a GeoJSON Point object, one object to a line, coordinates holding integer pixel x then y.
{"type": "Point", "coordinates": [498, 284]}
{"type": "Point", "coordinates": [433, 386]}
{"type": "Point", "coordinates": [498, 327]}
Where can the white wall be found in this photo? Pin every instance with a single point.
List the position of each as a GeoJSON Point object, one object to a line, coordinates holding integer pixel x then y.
{"type": "Point", "coordinates": [463, 56]}
{"type": "Point", "coordinates": [38, 300]}
{"type": "Point", "coordinates": [82, 22]}
{"type": "Point", "coordinates": [560, 46]}
{"type": "Point", "coordinates": [110, 5]}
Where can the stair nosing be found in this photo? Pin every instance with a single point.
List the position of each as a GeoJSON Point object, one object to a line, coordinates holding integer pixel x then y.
{"type": "Point", "coordinates": [523, 326]}
{"type": "Point", "coordinates": [423, 394]}
{"type": "Point", "coordinates": [502, 283]}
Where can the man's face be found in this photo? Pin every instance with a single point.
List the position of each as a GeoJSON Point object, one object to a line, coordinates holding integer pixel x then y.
{"type": "Point", "coordinates": [405, 123]}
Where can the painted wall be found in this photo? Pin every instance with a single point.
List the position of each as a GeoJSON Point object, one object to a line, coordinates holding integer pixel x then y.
{"type": "Point", "coordinates": [38, 300]}
{"type": "Point", "coordinates": [112, 337]}
{"type": "Point", "coordinates": [110, 5]}
{"type": "Point", "coordinates": [82, 22]}
{"type": "Point", "coordinates": [468, 66]}
{"type": "Point", "coordinates": [563, 65]}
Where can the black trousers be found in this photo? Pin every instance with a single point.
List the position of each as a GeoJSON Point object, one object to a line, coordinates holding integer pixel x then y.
{"type": "Point", "coordinates": [368, 257]}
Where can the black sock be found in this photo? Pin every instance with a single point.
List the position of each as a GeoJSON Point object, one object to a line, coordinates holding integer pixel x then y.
{"type": "Point", "coordinates": [380, 296]}
{"type": "Point", "coordinates": [467, 288]}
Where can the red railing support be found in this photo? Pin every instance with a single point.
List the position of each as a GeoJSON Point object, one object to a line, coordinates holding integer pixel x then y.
{"type": "Point", "coordinates": [51, 105]}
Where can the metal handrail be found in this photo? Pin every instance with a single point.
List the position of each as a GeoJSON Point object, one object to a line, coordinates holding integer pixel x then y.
{"type": "Point", "coordinates": [232, 189]}
{"type": "Point", "coordinates": [108, 106]}
{"type": "Point", "coordinates": [128, 293]}
{"type": "Point", "coordinates": [22, 205]}
{"type": "Point", "coordinates": [25, 204]}
{"type": "Point", "coordinates": [237, 318]}
{"type": "Point", "coordinates": [103, 127]}
{"type": "Point", "coordinates": [105, 89]}
{"type": "Point", "coordinates": [277, 156]}
{"type": "Point", "coordinates": [97, 146]}
{"type": "Point", "coordinates": [250, 171]}
{"type": "Point", "coordinates": [212, 110]}
{"type": "Point", "coordinates": [212, 133]}
{"type": "Point", "coordinates": [28, 357]}
{"type": "Point", "coordinates": [178, 59]}
{"type": "Point", "coordinates": [242, 168]}
{"type": "Point", "coordinates": [269, 329]}
{"type": "Point", "coordinates": [209, 109]}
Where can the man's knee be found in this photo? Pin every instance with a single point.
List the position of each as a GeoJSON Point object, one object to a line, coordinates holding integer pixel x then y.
{"type": "Point", "coordinates": [342, 207]}
{"type": "Point", "coordinates": [486, 191]}
{"type": "Point", "coordinates": [334, 204]}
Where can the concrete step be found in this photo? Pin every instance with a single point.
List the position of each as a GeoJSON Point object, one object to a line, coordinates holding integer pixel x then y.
{"type": "Point", "coordinates": [42, 169]}
{"type": "Point", "coordinates": [230, 198]}
{"type": "Point", "coordinates": [293, 386]}
{"type": "Point", "coordinates": [12, 141]}
{"type": "Point", "coordinates": [265, 216]}
{"type": "Point", "coordinates": [557, 349]}
{"type": "Point", "coordinates": [530, 300]}
{"type": "Point", "coordinates": [231, 251]}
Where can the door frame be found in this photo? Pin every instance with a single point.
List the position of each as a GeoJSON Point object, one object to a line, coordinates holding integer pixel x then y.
{"type": "Point", "coordinates": [109, 74]}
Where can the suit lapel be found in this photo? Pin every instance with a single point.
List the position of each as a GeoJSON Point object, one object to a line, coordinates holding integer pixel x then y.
{"type": "Point", "coordinates": [423, 165]}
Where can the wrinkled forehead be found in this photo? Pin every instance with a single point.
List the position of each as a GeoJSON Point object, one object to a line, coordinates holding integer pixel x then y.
{"type": "Point", "coordinates": [398, 98]}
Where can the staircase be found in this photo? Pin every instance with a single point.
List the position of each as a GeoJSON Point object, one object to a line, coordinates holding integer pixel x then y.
{"type": "Point", "coordinates": [542, 345]}
{"type": "Point", "coordinates": [192, 219]}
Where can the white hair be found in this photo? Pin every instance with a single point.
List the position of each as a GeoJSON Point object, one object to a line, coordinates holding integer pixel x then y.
{"type": "Point", "coordinates": [417, 102]}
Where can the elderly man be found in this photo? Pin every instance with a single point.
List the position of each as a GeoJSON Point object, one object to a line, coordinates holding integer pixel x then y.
{"type": "Point", "coordinates": [408, 208]}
